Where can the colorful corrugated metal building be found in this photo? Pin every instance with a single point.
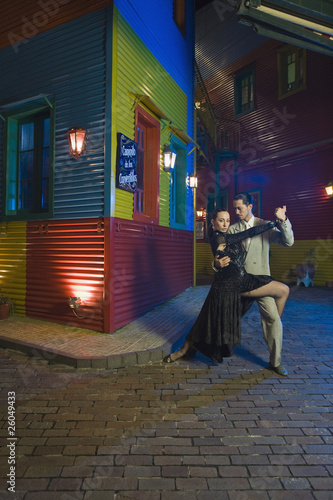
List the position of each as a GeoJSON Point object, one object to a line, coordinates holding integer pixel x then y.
{"type": "Point", "coordinates": [112, 226]}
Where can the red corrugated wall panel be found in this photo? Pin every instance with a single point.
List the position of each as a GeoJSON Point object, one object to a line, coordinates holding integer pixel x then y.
{"type": "Point", "coordinates": [146, 265]}
{"type": "Point", "coordinates": [298, 183]}
{"type": "Point", "coordinates": [286, 144]}
{"type": "Point", "coordinates": [277, 125]}
{"type": "Point", "coordinates": [66, 258]}
{"type": "Point", "coordinates": [152, 264]}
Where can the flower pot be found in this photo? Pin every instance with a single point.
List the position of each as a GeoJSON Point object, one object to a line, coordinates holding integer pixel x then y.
{"type": "Point", "coordinates": [4, 311]}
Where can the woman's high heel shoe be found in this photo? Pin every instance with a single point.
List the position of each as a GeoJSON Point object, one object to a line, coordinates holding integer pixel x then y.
{"type": "Point", "coordinates": [168, 359]}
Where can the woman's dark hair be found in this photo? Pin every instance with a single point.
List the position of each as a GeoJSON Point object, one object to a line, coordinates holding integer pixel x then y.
{"type": "Point", "coordinates": [213, 216]}
{"type": "Point", "coordinates": [216, 211]}
{"type": "Point", "coordinates": [246, 198]}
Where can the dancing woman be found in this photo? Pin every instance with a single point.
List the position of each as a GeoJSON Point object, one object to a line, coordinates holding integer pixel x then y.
{"type": "Point", "coordinates": [218, 323]}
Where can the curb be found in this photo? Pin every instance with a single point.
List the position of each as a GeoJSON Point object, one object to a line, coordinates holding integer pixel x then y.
{"type": "Point", "coordinates": [125, 360]}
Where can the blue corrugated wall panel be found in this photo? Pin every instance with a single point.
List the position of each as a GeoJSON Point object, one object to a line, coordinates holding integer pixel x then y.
{"type": "Point", "coordinates": [174, 52]}
{"type": "Point", "coordinates": [68, 65]}
{"type": "Point", "coordinates": [163, 37]}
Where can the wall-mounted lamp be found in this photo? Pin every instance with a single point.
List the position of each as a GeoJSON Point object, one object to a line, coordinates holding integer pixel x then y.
{"type": "Point", "coordinates": [76, 139]}
{"type": "Point", "coordinates": [169, 158]}
{"type": "Point", "coordinates": [193, 181]}
{"type": "Point", "coordinates": [201, 214]}
{"type": "Point", "coordinates": [75, 304]}
{"type": "Point", "coordinates": [329, 189]}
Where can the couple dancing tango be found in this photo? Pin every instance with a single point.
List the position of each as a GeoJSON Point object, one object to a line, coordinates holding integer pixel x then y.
{"type": "Point", "coordinates": [242, 275]}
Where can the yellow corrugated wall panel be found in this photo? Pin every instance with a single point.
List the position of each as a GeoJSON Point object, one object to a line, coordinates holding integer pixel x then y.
{"type": "Point", "coordinates": [13, 248]}
{"type": "Point", "coordinates": [284, 260]}
{"type": "Point", "coordinates": [124, 205]}
{"type": "Point", "coordinates": [137, 71]}
{"type": "Point", "coordinates": [204, 259]}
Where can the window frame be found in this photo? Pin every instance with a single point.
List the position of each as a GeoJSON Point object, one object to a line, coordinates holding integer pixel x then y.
{"type": "Point", "coordinates": [180, 148]}
{"type": "Point", "coordinates": [151, 174]}
{"type": "Point", "coordinates": [300, 70]}
{"type": "Point", "coordinates": [13, 118]}
{"type": "Point", "coordinates": [238, 77]}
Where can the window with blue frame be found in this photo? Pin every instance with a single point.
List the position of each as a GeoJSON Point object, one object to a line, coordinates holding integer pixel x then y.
{"type": "Point", "coordinates": [28, 162]}
{"type": "Point", "coordinates": [178, 186]}
{"type": "Point", "coordinates": [244, 91]}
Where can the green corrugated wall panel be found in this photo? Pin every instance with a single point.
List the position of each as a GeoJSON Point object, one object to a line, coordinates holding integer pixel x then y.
{"type": "Point", "coordinates": [164, 199]}
{"type": "Point", "coordinates": [13, 263]}
{"type": "Point", "coordinates": [164, 187]}
{"type": "Point", "coordinates": [139, 72]}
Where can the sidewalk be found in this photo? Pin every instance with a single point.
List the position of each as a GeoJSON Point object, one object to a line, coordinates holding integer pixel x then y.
{"type": "Point", "coordinates": [148, 338]}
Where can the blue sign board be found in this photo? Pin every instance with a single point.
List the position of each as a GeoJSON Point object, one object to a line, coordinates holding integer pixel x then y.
{"type": "Point", "coordinates": [126, 163]}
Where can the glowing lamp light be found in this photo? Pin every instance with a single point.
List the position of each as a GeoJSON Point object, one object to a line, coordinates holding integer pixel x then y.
{"type": "Point", "coordinates": [85, 292]}
{"type": "Point", "coordinates": [76, 139]}
{"type": "Point", "coordinates": [199, 213]}
{"type": "Point", "coordinates": [193, 181]}
{"type": "Point", "coordinates": [329, 189]}
{"type": "Point", "coordinates": [169, 158]}
{"type": "Point", "coordinates": [80, 293]}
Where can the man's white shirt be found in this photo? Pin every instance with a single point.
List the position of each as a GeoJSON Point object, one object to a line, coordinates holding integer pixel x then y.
{"type": "Point", "coordinates": [247, 225]}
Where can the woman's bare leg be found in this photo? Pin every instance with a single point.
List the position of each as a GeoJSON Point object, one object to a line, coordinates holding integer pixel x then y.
{"type": "Point", "coordinates": [279, 292]}
{"type": "Point", "coordinates": [181, 352]}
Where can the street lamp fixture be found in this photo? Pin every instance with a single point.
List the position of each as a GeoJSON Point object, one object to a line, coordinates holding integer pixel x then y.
{"type": "Point", "coordinates": [329, 189]}
{"type": "Point", "coordinates": [169, 158]}
{"type": "Point", "coordinates": [76, 139]}
{"type": "Point", "coordinates": [75, 304]}
{"type": "Point", "coordinates": [193, 181]}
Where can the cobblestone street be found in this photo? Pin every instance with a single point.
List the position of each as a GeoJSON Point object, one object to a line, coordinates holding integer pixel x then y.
{"type": "Point", "coordinates": [190, 430]}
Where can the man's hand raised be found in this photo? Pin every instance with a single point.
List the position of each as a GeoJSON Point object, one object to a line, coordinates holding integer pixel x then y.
{"type": "Point", "coordinates": [280, 213]}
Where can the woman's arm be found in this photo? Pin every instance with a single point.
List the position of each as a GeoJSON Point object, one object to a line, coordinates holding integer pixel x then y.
{"type": "Point", "coordinates": [249, 233]}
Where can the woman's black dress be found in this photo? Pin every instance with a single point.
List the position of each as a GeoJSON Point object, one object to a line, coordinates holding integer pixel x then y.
{"type": "Point", "coordinates": [219, 320]}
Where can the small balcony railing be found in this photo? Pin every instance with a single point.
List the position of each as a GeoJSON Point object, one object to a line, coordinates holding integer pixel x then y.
{"type": "Point", "coordinates": [224, 133]}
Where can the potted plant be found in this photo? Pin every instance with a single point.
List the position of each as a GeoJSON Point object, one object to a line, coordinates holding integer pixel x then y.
{"type": "Point", "coordinates": [5, 306]}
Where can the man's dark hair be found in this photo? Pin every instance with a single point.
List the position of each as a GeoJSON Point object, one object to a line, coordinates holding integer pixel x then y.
{"type": "Point", "coordinates": [245, 197]}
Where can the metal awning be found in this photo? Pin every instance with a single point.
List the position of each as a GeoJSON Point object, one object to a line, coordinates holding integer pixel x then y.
{"type": "Point", "coordinates": [182, 135]}
{"type": "Point", "coordinates": [290, 21]}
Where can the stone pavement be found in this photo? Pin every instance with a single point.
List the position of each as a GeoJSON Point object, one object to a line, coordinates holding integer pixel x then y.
{"type": "Point", "coordinates": [148, 338]}
{"type": "Point", "coordinates": [189, 430]}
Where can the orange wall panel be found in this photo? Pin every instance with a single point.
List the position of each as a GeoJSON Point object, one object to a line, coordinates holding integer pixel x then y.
{"type": "Point", "coordinates": [66, 258]}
